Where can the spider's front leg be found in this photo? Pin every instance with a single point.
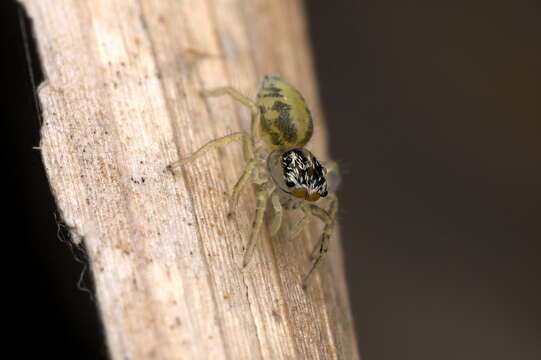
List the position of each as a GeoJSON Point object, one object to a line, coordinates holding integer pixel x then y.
{"type": "Point", "coordinates": [241, 183]}
{"type": "Point", "coordinates": [321, 248]}
{"type": "Point", "coordinates": [278, 214]}
{"type": "Point", "coordinates": [331, 211]}
{"type": "Point", "coordinates": [262, 196]}
{"type": "Point", "coordinates": [301, 224]}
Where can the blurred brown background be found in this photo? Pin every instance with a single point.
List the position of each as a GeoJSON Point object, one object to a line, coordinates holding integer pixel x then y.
{"type": "Point", "coordinates": [433, 112]}
{"type": "Point", "coordinates": [434, 109]}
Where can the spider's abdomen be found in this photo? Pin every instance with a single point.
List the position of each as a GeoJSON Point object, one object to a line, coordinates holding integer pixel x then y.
{"type": "Point", "coordinates": [285, 120]}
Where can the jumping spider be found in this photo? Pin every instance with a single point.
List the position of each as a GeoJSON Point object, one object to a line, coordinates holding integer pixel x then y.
{"type": "Point", "coordinates": [290, 176]}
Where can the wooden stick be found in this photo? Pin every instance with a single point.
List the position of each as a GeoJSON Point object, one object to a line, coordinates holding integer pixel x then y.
{"type": "Point", "coordinates": [121, 102]}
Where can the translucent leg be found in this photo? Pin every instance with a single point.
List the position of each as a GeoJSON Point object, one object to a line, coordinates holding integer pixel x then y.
{"type": "Point", "coordinates": [331, 166]}
{"type": "Point", "coordinates": [277, 218]}
{"type": "Point", "coordinates": [241, 183]}
{"type": "Point", "coordinates": [333, 175]}
{"type": "Point", "coordinates": [301, 224]}
{"type": "Point", "coordinates": [212, 145]}
{"type": "Point", "coordinates": [328, 218]}
{"type": "Point", "coordinates": [333, 209]}
{"type": "Point", "coordinates": [235, 94]}
{"type": "Point", "coordinates": [262, 197]}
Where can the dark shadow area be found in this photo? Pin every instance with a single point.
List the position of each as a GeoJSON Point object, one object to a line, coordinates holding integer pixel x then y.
{"type": "Point", "coordinates": [434, 110]}
{"type": "Point", "coordinates": [51, 317]}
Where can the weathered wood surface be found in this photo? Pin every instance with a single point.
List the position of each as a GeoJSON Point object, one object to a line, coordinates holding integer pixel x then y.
{"type": "Point", "coordinates": [120, 102]}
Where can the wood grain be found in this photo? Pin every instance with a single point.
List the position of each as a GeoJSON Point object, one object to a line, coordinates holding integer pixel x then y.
{"type": "Point", "coordinates": [120, 102]}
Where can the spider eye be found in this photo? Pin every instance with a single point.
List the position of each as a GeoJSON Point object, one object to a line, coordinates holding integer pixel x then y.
{"type": "Point", "coordinates": [290, 183]}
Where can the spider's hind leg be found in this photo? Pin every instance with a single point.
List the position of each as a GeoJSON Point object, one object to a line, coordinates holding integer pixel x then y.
{"type": "Point", "coordinates": [235, 94]}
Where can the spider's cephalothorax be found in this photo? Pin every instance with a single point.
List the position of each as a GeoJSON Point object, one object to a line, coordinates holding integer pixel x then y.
{"type": "Point", "coordinates": [292, 176]}
{"type": "Point", "coordinates": [297, 172]}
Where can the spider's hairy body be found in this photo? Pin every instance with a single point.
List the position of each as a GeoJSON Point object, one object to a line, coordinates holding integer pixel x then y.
{"type": "Point", "coordinates": [291, 177]}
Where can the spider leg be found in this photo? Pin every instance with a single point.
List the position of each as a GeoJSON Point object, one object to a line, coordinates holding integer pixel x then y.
{"type": "Point", "coordinates": [333, 175]}
{"type": "Point", "coordinates": [241, 183]}
{"type": "Point", "coordinates": [216, 143]}
{"type": "Point", "coordinates": [332, 210]}
{"type": "Point", "coordinates": [235, 94]}
{"type": "Point", "coordinates": [277, 218]}
{"type": "Point", "coordinates": [262, 196]}
{"type": "Point", "coordinates": [301, 224]}
{"type": "Point", "coordinates": [328, 218]}
{"type": "Point", "coordinates": [248, 169]}
{"type": "Point", "coordinates": [331, 166]}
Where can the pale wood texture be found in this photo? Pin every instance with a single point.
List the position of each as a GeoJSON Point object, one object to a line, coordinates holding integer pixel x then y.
{"type": "Point", "coordinates": [121, 101]}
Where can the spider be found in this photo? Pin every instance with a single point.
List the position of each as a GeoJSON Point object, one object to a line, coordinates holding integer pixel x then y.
{"type": "Point", "coordinates": [286, 174]}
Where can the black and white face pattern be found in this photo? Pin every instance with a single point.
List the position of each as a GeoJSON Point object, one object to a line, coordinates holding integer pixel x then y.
{"type": "Point", "coordinates": [304, 176]}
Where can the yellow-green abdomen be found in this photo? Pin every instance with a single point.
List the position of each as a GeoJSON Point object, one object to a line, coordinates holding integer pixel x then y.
{"type": "Point", "coordinates": [285, 120]}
